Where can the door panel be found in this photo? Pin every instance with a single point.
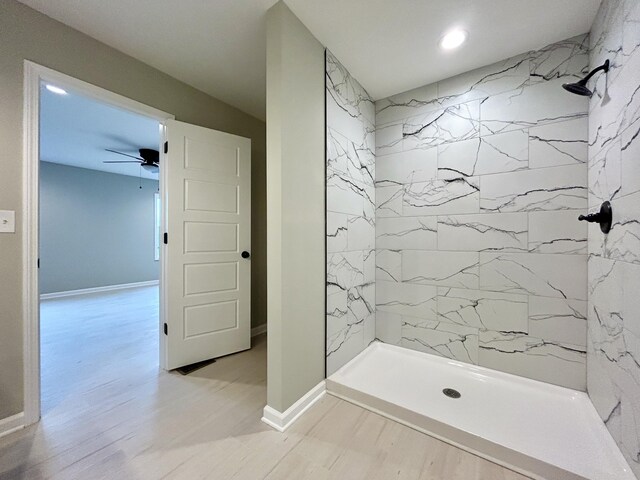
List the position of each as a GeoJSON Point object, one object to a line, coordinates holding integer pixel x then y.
{"type": "Point", "coordinates": [208, 221]}
{"type": "Point", "coordinates": [210, 196]}
{"type": "Point", "coordinates": [202, 237]}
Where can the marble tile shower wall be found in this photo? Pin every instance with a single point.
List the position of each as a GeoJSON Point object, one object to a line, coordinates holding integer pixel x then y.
{"type": "Point", "coordinates": [350, 216]}
{"type": "Point", "coordinates": [479, 182]}
{"type": "Point", "coordinates": [613, 345]}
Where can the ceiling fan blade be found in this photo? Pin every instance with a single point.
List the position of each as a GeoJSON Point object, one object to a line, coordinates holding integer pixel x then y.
{"type": "Point", "coordinates": [121, 161]}
{"type": "Point", "coordinates": [124, 154]}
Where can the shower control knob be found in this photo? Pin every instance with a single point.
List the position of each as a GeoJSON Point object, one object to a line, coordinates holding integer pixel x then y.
{"type": "Point", "coordinates": [603, 217]}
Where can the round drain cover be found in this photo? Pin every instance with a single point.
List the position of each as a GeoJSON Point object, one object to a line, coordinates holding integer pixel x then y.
{"type": "Point", "coordinates": [451, 393]}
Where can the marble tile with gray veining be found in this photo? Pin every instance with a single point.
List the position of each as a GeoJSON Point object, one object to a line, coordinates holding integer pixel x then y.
{"type": "Point", "coordinates": [337, 232]}
{"type": "Point", "coordinates": [557, 188]}
{"type": "Point", "coordinates": [348, 157]}
{"type": "Point", "coordinates": [605, 177]}
{"type": "Point", "coordinates": [479, 180]}
{"type": "Point", "coordinates": [346, 195]}
{"type": "Point", "coordinates": [533, 274]}
{"type": "Point", "coordinates": [557, 232]}
{"type": "Point", "coordinates": [629, 155]}
{"type": "Point", "coordinates": [524, 355]}
{"type": "Point", "coordinates": [416, 233]}
{"type": "Point", "coordinates": [388, 327]}
{"type": "Point", "coordinates": [531, 105]}
{"type": "Point", "coordinates": [561, 143]}
{"type": "Point", "coordinates": [345, 269]}
{"type": "Point", "coordinates": [347, 94]}
{"type": "Point", "coordinates": [435, 197]}
{"type": "Point", "coordinates": [504, 232]}
{"type": "Point", "coordinates": [361, 233]}
{"type": "Point", "coordinates": [567, 59]}
{"type": "Point", "coordinates": [388, 201]}
{"type": "Point", "coordinates": [505, 152]}
{"type": "Point", "coordinates": [344, 326]}
{"type": "Point", "coordinates": [623, 241]}
{"type": "Point", "coordinates": [615, 105]}
{"type": "Point", "coordinates": [450, 269]}
{"type": "Point", "coordinates": [389, 265]}
{"type": "Point", "coordinates": [558, 320]}
{"type": "Point", "coordinates": [388, 139]}
{"type": "Point", "coordinates": [440, 338]}
{"type": "Point", "coordinates": [407, 104]}
{"type": "Point", "coordinates": [614, 273]}
{"type": "Point", "coordinates": [614, 348]}
{"type": "Point", "coordinates": [483, 310]}
{"type": "Point", "coordinates": [483, 82]}
{"type": "Point", "coordinates": [409, 299]}
{"type": "Point", "coordinates": [350, 120]}
{"type": "Point", "coordinates": [452, 124]}
{"type": "Point", "coordinates": [407, 167]}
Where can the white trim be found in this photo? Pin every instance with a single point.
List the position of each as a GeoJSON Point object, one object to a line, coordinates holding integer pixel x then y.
{"type": "Point", "coordinates": [259, 330]}
{"type": "Point", "coordinates": [34, 74]}
{"type": "Point", "coordinates": [11, 424]}
{"type": "Point", "coordinates": [107, 288]}
{"type": "Point", "coordinates": [282, 421]}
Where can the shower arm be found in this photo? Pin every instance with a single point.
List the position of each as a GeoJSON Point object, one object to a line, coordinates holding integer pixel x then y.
{"type": "Point", "coordinates": [604, 66]}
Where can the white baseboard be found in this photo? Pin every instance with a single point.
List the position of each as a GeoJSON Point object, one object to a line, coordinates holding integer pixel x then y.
{"type": "Point", "coordinates": [11, 424]}
{"type": "Point", "coordinates": [282, 421]}
{"type": "Point", "coordinates": [108, 288]}
{"type": "Point", "coordinates": [259, 330]}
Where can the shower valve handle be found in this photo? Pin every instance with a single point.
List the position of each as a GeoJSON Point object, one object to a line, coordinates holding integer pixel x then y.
{"type": "Point", "coordinates": [591, 217]}
{"type": "Point", "coordinates": [603, 217]}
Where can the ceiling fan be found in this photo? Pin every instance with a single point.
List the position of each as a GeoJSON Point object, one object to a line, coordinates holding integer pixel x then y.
{"type": "Point", "coordinates": [149, 159]}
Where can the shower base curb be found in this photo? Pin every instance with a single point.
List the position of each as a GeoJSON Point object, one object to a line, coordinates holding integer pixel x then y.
{"type": "Point", "coordinates": [504, 456]}
{"type": "Point", "coordinates": [520, 462]}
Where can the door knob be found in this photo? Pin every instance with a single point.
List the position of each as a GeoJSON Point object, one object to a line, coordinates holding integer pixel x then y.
{"type": "Point", "coordinates": [245, 254]}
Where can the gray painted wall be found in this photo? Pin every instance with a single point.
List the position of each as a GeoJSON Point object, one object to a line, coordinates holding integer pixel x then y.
{"type": "Point", "coordinates": [96, 229]}
{"type": "Point", "coordinates": [27, 34]}
{"type": "Point", "coordinates": [295, 207]}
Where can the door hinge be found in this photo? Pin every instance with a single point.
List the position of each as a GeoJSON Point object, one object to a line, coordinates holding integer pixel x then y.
{"type": "Point", "coordinates": [166, 238]}
{"type": "Point", "coordinates": [166, 329]}
{"type": "Point", "coordinates": [166, 147]}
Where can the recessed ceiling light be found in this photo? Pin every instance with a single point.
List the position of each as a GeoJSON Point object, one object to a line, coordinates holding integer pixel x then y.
{"type": "Point", "coordinates": [453, 39]}
{"type": "Point", "coordinates": [54, 89]}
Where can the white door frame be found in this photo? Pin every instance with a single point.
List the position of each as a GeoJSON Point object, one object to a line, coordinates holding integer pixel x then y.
{"type": "Point", "coordinates": [34, 74]}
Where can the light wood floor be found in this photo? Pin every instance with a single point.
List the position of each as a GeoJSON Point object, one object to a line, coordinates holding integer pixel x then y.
{"type": "Point", "coordinates": [109, 413]}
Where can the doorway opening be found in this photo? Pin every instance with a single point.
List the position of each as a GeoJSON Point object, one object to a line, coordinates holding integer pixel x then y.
{"type": "Point", "coordinates": [91, 237]}
{"type": "Point", "coordinates": [201, 205]}
{"type": "Point", "coordinates": [100, 222]}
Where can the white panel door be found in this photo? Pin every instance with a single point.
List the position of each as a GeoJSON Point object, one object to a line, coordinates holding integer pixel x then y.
{"type": "Point", "coordinates": [207, 277]}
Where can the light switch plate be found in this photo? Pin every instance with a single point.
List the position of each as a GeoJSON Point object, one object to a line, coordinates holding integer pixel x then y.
{"type": "Point", "coordinates": [7, 221]}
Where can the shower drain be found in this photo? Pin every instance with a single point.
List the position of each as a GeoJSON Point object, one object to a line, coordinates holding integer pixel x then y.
{"type": "Point", "coordinates": [451, 393]}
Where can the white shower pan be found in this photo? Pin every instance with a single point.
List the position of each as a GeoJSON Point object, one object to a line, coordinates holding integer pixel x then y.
{"type": "Point", "coordinates": [541, 430]}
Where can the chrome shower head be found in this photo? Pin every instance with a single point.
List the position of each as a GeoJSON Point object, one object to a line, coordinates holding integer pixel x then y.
{"type": "Point", "coordinates": [580, 88]}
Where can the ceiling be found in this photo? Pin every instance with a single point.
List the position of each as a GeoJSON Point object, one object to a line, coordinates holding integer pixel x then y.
{"type": "Point", "coordinates": [390, 46]}
{"type": "Point", "coordinates": [75, 130]}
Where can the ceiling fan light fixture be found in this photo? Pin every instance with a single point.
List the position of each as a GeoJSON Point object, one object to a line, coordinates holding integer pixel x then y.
{"type": "Point", "coordinates": [150, 168]}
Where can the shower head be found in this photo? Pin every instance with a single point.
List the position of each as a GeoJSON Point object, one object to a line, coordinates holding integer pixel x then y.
{"type": "Point", "coordinates": [580, 88]}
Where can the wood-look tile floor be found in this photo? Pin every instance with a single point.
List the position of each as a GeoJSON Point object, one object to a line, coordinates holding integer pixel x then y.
{"type": "Point", "coordinates": [108, 413]}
